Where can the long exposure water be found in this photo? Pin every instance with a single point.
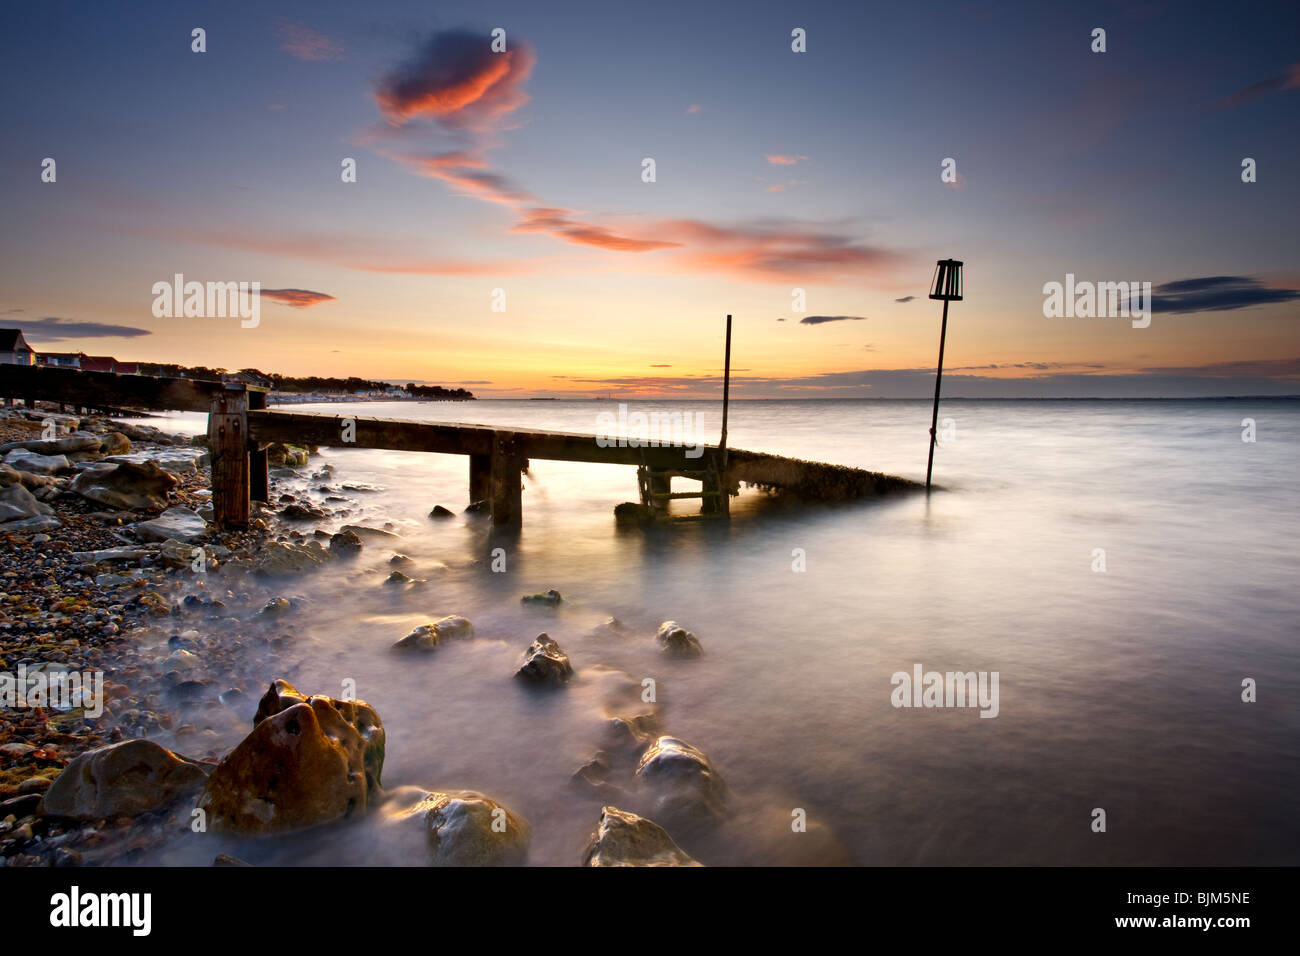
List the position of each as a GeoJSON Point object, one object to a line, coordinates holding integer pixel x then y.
{"type": "Point", "coordinates": [1120, 688]}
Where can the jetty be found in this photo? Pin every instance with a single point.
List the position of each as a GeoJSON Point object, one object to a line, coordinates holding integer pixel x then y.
{"type": "Point", "coordinates": [241, 428]}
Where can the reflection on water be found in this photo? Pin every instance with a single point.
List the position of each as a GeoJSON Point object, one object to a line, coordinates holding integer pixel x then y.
{"type": "Point", "coordinates": [1119, 689]}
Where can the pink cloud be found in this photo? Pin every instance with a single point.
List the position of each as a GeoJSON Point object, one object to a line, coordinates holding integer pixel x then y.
{"type": "Point", "coordinates": [305, 43]}
{"type": "Point", "coordinates": [783, 159]}
{"type": "Point", "coordinates": [297, 298]}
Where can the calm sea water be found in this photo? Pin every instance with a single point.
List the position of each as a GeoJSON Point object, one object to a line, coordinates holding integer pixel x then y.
{"type": "Point", "coordinates": [1119, 689]}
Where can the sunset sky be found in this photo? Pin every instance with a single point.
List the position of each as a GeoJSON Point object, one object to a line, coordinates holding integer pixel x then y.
{"type": "Point", "coordinates": [775, 170]}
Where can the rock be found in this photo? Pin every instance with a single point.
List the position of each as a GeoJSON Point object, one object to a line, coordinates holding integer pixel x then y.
{"type": "Point", "coordinates": [683, 780]}
{"type": "Point", "coordinates": [625, 839]}
{"type": "Point", "coordinates": [632, 513]}
{"type": "Point", "coordinates": [37, 464]}
{"type": "Point", "coordinates": [114, 443]}
{"type": "Point", "coordinates": [34, 785]}
{"type": "Point", "coordinates": [550, 598]}
{"type": "Point", "coordinates": [305, 765]}
{"type": "Point", "coordinates": [275, 606]}
{"type": "Point", "coordinates": [39, 523]}
{"type": "Point", "coordinates": [176, 461]}
{"type": "Point", "coordinates": [131, 777]}
{"type": "Point", "coordinates": [281, 455]}
{"type": "Point", "coordinates": [346, 543]}
{"type": "Point", "coordinates": [428, 636]}
{"type": "Point", "coordinates": [301, 512]}
{"type": "Point", "coordinates": [178, 554]}
{"type": "Point", "coordinates": [397, 577]}
{"type": "Point", "coordinates": [400, 558]}
{"type": "Point", "coordinates": [16, 503]}
{"type": "Point", "coordinates": [459, 827]}
{"type": "Point", "coordinates": [676, 641]}
{"type": "Point", "coordinates": [364, 532]}
{"type": "Point", "coordinates": [440, 512]}
{"type": "Point", "coordinates": [9, 476]}
{"type": "Point", "coordinates": [177, 523]}
{"type": "Point", "coordinates": [483, 507]}
{"type": "Point", "coordinates": [280, 557]}
{"type": "Point", "coordinates": [225, 859]}
{"type": "Point", "coordinates": [365, 719]}
{"type": "Point", "coordinates": [68, 445]}
{"type": "Point", "coordinates": [127, 486]}
{"type": "Point", "coordinates": [545, 663]}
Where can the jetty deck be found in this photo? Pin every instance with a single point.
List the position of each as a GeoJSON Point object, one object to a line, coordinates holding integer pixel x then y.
{"type": "Point", "coordinates": [241, 428]}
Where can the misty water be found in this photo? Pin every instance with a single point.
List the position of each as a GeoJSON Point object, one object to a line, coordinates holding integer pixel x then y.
{"type": "Point", "coordinates": [1119, 689]}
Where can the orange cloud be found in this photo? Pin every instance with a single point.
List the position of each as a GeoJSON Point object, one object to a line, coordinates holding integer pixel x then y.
{"type": "Point", "coordinates": [783, 159]}
{"type": "Point", "coordinates": [297, 298]}
{"type": "Point", "coordinates": [457, 81]}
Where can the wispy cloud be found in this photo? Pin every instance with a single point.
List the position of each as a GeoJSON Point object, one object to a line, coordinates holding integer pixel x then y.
{"type": "Point", "coordinates": [693, 109]}
{"type": "Point", "coordinates": [54, 329]}
{"type": "Point", "coordinates": [906, 298]}
{"type": "Point", "coordinates": [823, 319]}
{"type": "Point", "coordinates": [297, 298]}
{"type": "Point", "coordinates": [303, 42]}
{"type": "Point", "coordinates": [1216, 294]}
{"type": "Point", "coordinates": [1288, 79]}
{"type": "Point", "coordinates": [784, 159]}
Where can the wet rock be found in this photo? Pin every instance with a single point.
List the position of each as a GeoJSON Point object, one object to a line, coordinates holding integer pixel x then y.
{"type": "Point", "coordinates": [299, 767]}
{"type": "Point", "coordinates": [178, 523]}
{"type": "Point", "coordinates": [428, 636]}
{"type": "Point", "coordinates": [275, 607]}
{"type": "Point", "coordinates": [545, 663]}
{"type": "Point", "coordinates": [38, 524]}
{"type": "Point", "coordinates": [483, 507]}
{"type": "Point", "coordinates": [440, 512]}
{"type": "Point", "coordinates": [632, 513]}
{"type": "Point", "coordinates": [281, 557]}
{"type": "Point", "coordinates": [9, 476]}
{"type": "Point", "coordinates": [224, 859]}
{"type": "Point", "coordinates": [127, 486]}
{"type": "Point", "coordinates": [363, 532]}
{"type": "Point", "coordinates": [676, 641]}
{"type": "Point", "coordinates": [281, 455]}
{"type": "Point", "coordinates": [625, 839]}
{"type": "Point", "coordinates": [364, 718]}
{"type": "Point", "coordinates": [459, 827]}
{"type": "Point", "coordinates": [632, 732]}
{"type": "Point", "coordinates": [178, 554]}
{"type": "Point", "coordinates": [684, 782]}
{"type": "Point", "coordinates": [301, 512]}
{"type": "Point", "coordinates": [400, 559]}
{"type": "Point", "coordinates": [346, 543]}
{"type": "Point", "coordinates": [131, 777]}
{"type": "Point", "coordinates": [549, 598]}
{"type": "Point", "coordinates": [175, 461]}
{"type": "Point", "coordinates": [397, 577]}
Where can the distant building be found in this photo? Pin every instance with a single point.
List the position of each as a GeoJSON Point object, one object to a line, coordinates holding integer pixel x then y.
{"type": "Point", "coordinates": [98, 363]}
{"type": "Point", "coordinates": [248, 377]}
{"type": "Point", "coordinates": [60, 359]}
{"type": "Point", "coordinates": [14, 349]}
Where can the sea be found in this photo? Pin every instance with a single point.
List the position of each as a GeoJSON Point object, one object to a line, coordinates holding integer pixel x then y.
{"type": "Point", "coordinates": [1127, 569]}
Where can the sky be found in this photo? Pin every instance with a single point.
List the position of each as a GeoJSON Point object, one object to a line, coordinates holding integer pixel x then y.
{"type": "Point", "coordinates": [501, 234]}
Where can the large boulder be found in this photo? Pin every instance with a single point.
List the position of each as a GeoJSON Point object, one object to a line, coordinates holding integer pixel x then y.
{"type": "Point", "coordinates": [308, 764]}
{"type": "Point", "coordinates": [676, 641]}
{"type": "Point", "coordinates": [428, 636]}
{"type": "Point", "coordinates": [683, 781]}
{"type": "Point", "coordinates": [114, 443]}
{"type": "Point", "coordinates": [625, 839]}
{"type": "Point", "coordinates": [177, 523]}
{"type": "Point", "coordinates": [127, 486]}
{"type": "Point", "coordinates": [545, 663]}
{"type": "Point", "coordinates": [131, 777]}
{"type": "Point", "coordinates": [16, 503]}
{"type": "Point", "coordinates": [458, 827]}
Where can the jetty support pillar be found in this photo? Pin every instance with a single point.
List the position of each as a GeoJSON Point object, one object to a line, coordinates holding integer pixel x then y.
{"type": "Point", "coordinates": [507, 487]}
{"type": "Point", "coordinates": [480, 477]}
{"type": "Point", "coordinates": [228, 447]}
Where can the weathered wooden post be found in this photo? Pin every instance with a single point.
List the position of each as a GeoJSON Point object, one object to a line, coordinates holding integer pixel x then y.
{"type": "Point", "coordinates": [947, 285]}
{"type": "Point", "coordinates": [507, 487]}
{"type": "Point", "coordinates": [716, 480]}
{"type": "Point", "coordinates": [480, 477]}
{"type": "Point", "coordinates": [259, 481]}
{"type": "Point", "coordinates": [228, 446]}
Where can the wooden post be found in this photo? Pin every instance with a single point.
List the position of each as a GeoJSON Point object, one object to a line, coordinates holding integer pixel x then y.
{"type": "Point", "coordinates": [726, 393]}
{"type": "Point", "coordinates": [507, 481]}
{"type": "Point", "coordinates": [938, 378]}
{"type": "Point", "coordinates": [259, 480]}
{"type": "Point", "coordinates": [228, 446]}
{"type": "Point", "coordinates": [480, 477]}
